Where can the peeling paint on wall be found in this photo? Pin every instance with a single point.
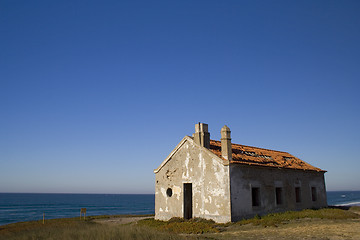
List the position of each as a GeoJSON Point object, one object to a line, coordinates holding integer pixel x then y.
{"type": "Point", "coordinates": [217, 192]}
{"type": "Point", "coordinates": [177, 191]}
{"type": "Point", "coordinates": [185, 175]}
{"type": "Point", "coordinates": [163, 191]}
{"type": "Point", "coordinates": [197, 166]}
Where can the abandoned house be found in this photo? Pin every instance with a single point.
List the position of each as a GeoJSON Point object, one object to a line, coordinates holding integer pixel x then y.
{"type": "Point", "coordinates": [225, 182]}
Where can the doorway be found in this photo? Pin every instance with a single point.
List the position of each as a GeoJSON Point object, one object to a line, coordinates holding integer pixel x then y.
{"type": "Point", "coordinates": [187, 200]}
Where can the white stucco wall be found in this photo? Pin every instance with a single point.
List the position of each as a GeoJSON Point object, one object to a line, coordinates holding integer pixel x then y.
{"type": "Point", "coordinates": [191, 163]}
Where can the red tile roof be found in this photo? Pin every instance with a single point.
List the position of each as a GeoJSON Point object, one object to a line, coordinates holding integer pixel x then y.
{"type": "Point", "coordinates": [262, 157]}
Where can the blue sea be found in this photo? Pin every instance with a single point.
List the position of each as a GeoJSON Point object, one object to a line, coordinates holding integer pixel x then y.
{"type": "Point", "coordinates": [19, 207]}
{"type": "Point", "coordinates": [343, 198]}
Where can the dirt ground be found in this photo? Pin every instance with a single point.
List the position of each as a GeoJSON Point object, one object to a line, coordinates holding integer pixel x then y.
{"type": "Point", "coordinates": [301, 229]}
{"type": "Point", "coordinates": [120, 220]}
{"type": "Point", "coordinates": [314, 229]}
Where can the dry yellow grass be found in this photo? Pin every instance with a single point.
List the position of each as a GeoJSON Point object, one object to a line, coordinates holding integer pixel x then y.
{"type": "Point", "coordinates": [329, 224]}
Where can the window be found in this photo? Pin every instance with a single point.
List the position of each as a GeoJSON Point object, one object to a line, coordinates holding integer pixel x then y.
{"type": "Point", "coordinates": [169, 192]}
{"type": "Point", "coordinates": [255, 193]}
{"type": "Point", "coordinates": [279, 196]}
{"type": "Point", "coordinates": [297, 194]}
{"type": "Point", "coordinates": [313, 194]}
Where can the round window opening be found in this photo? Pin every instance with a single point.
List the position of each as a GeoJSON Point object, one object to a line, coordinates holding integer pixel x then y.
{"type": "Point", "coordinates": [169, 192]}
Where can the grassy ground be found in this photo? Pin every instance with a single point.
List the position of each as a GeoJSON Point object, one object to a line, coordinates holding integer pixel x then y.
{"type": "Point", "coordinates": [74, 228]}
{"type": "Point", "coordinates": [307, 224]}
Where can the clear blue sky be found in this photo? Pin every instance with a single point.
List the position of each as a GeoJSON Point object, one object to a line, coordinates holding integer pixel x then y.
{"type": "Point", "coordinates": [95, 94]}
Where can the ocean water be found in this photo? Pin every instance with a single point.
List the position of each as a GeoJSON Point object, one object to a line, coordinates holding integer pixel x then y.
{"type": "Point", "coordinates": [343, 198]}
{"type": "Point", "coordinates": [19, 207]}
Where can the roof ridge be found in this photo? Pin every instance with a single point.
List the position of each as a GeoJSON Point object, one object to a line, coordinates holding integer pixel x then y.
{"type": "Point", "coordinates": [254, 147]}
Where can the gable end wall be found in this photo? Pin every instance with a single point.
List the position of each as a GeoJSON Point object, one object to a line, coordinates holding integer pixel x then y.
{"type": "Point", "coordinates": [210, 184]}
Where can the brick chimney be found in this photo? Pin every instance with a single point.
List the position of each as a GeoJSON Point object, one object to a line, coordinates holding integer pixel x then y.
{"type": "Point", "coordinates": [226, 150]}
{"type": "Point", "coordinates": [201, 135]}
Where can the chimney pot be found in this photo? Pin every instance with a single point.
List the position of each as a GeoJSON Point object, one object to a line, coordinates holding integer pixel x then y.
{"type": "Point", "coordinates": [226, 148]}
{"type": "Point", "coordinates": [201, 135]}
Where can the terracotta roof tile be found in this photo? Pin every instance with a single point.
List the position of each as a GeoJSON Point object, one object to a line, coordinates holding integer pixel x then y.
{"type": "Point", "coordinates": [262, 157]}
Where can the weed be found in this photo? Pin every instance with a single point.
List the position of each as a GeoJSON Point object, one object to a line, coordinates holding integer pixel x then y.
{"type": "Point", "coordinates": [274, 219]}
{"type": "Point", "coordinates": [90, 231]}
{"type": "Point", "coordinates": [73, 228]}
{"type": "Point", "coordinates": [355, 208]}
{"type": "Point", "coordinates": [179, 225]}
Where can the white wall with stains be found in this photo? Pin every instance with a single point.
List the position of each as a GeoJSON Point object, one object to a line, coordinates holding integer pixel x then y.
{"type": "Point", "coordinates": [190, 163]}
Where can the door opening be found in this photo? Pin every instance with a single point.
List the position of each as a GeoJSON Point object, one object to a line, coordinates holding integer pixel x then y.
{"type": "Point", "coordinates": [187, 200]}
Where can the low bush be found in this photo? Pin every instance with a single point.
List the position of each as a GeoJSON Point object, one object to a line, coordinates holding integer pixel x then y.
{"type": "Point", "coordinates": [355, 208]}
{"type": "Point", "coordinates": [277, 218]}
{"type": "Point", "coordinates": [180, 225]}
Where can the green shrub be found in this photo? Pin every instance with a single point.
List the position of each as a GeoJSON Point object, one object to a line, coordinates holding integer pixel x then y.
{"type": "Point", "coordinates": [179, 225]}
{"type": "Point", "coordinates": [277, 218]}
{"type": "Point", "coordinates": [202, 220]}
{"type": "Point", "coordinates": [176, 219]}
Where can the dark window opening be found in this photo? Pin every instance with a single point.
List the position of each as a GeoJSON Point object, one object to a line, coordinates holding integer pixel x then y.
{"type": "Point", "coordinates": [297, 194]}
{"type": "Point", "coordinates": [279, 196]}
{"type": "Point", "coordinates": [255, 193]}
{"type": "Point", "coordinates": [169, 192]}
{"type": "Point", "coordinates": [313, 194]}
